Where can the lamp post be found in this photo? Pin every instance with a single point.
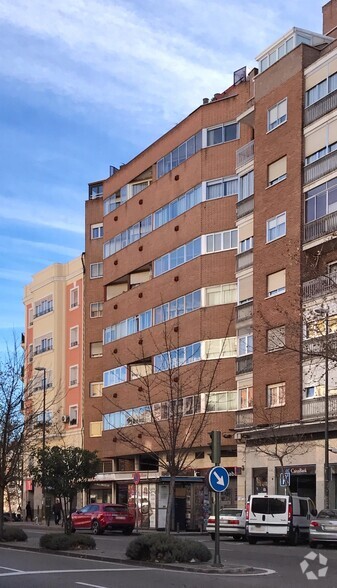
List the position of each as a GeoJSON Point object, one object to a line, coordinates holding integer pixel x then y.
{"type": "Point", "coordinates": [42, 369]}
{"type": "Point", "coordinates": [325, 312]}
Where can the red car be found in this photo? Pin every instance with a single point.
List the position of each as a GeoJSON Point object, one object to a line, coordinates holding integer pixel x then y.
{"type": "Point", "coordinates": [102, 517]}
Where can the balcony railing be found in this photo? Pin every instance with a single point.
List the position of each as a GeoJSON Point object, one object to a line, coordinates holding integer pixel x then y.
{"type": "Point", "coordinates": [318, 228]}
{"type": "Point", "coordinates": [244, 364]}
{"type": "Point", "coordinates": [320, 286]}
{"type": "Point", "coordinates": [245, 154]}
{"type": "Point", "coordinates": [315, 408]}
{"type": "Point", "coordinates": [321, 107]}
{"type": "Point", "coordinates": [244, 207]}
{"type": "Point", "coordinates": [244, 260]}
{"type": "Point", "coordinates": [244, 418]}
{"type": "Point", "coordinates": [244, 312]}
{"type": "Point", "coordinates": [320, 168]}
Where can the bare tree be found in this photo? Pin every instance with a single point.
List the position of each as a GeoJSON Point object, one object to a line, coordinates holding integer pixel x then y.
{"type": "Point", "coordinates": [174, 399]}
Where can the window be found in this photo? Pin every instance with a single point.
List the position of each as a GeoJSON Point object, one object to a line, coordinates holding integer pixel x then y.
{"type": "Point", "coordinates": [95, 191]}
{"type": "Point", "coordinates": [96, 349]}
{"type": "Point", "coordinates": [74, 336]}
{"type": "Point", "coordinates": [177, 357]}
{"type": "Point", "coordinates": [276, 283]}
{"type": "Point", "coordinates": [179, 155]}
{"type": "Point", "coordinates": [246, 245]}
{"type": "Point", "coordinates": [177, 307]}
{"type": "Point", "coordinates": [320, 83]}
{"type": "Point", "coordinates": [276, 227]}
{"type": "Point", "coordinates": [177, 257]}
{"type": "Point", "coordinates": [222, 134]}
{"type": "Point", "coordinates": [277, 115]}
{"type": "Point", "coordinates": [73, 415]}
{"type": "Point", "coordinates": [74, 297]}
{"type": "Point", "coordinates": [44, 306]}
{"type": "Point", "coordinates": [115, 376]}
{"type": "Point", "coordinates": [221, 241]}
{"type": "Point", "coordinates": [96, 309]}
{"type": "Point", "coordinates": [321, 142]}
{"type": "Point", "coordinates": [277, 171]}
{"type": "Point", "coordinates": [43, 344]}
{"type": "Point", "coordinates": [245, 397]}
{"type": "Point", "coordinates": [276, 338]}
{"type": "Point", "coordinates": [95, 429]}
{"type": "Point", "coordinates": [220, 348]}
{"type": "Point", "coordinates": [95, 389]}
{"type": "Point", "coordinates": [222, 294]}
{"type": "Point", "coordinates": [96, 270]}
{"type": "Point", "coordinates": [222, 401]}
{"type": "Point", "coordinates": [112, 202]}
{"type": "Point", "coordinates": [275, 395]}
{"type": "Point", "coordinates": [321, 201]}
{"type": "Point", "coordinates": [73, 375]}
{"type": "Point", "coordinates": [245, 344]}
{"type": "Point", "coordinates": [246, 185]}
{"type": "Point", "coordinates": [176, 207]}
{"type": "Point", "coordinates": [139, 187]}
{"type": "Point", "coordinates": [245, 287]}
{"type": "Point", "coordinates": [97, 231]}
{"type": "Point", "coordinates": [221, 188]}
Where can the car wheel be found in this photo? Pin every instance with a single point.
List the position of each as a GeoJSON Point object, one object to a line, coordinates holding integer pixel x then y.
{"type": "Point", "coordinates": [73, 530]}
{"type": "Point", "coordinates": [252, 540]}
{"type": "Point", "coordinates": [213, 536]}
{"type": "Point", "coordinates": [96, 529]}
{"type": "Point", "coordinates": [294, 538]}
{"type": "Point", "coordinates": [237, 537]}
{"type": "Point", "coordinates": [127, 531]}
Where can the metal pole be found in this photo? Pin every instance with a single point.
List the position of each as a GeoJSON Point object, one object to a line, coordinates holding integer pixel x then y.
{"type": "Point", "coordinates": [44, 447]}
{"type": "Point", "coordinates": [326, 428]}
{"type": "Point", "coordinates": [217, 560]}
{"type": "Point", "coordinates": [136, 501]}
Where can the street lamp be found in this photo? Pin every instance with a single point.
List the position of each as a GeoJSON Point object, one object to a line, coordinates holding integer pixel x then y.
{"type": "Point", "coordinates": [325, 312]}
{"type": "Point", "coordinates": [42, 369]}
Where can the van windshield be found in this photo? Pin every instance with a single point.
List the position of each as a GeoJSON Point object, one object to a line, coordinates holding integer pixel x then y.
{"type": "Point", "coordinates": [268, 505]}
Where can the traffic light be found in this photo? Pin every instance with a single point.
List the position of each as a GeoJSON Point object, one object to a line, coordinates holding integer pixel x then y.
{"type": "Point", "coordinates": [215, 446]}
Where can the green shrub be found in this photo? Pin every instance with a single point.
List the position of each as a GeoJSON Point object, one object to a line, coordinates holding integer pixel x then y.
{"type": "Point", "coordinates": [62, 542]}
{"type": "Point", "coordinates": [14, 534]}
{"type": "Point", "coordinates": [167, 549]}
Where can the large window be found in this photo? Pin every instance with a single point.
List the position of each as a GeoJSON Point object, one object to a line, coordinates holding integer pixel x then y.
{"type": "Point", "coordinates": [177, 257]}
{"type": "Point", "coordinates": [128, 326]}
{"type": "Point", "coordinates": [44, 306]}
{"type": "Point", "coordinates": [95, 389]}
{"type": "Point", "coordinates": [179, 155]}
{"type": "Point", "coordinates": [276, 395]}
{"type": "Point", "coordinates": [245, 344]}
{"type": "Point", "coordinates": [115, 376]}
{"type": "Point", "coordinates": [176, 207]}
{"type": "Point", "coordinates": [177, 357]}
{"type": "Point", "coordinates": [321, 142]}
{"type": "Point", "coordinates": [222, 134]}
{"type": "Point", "coordinates": [96, 309]}
{"type": "Point", "coordinates": [321, 201]}
{"type": "Point", "coordinates": [276, 338]}
{"type": "Point", "coordinates": [177, 307]}
{"type": "Point", "coordinates": [245, 397]}
{"type": "Point", "coordinates": [222, 401]}
{"type": "Point", "coordinates": [96, 231]}
{"type": "Point", "coordinates": [221, 188]}
{"type": "Point", "coordinates": [222, 294]}
{"type": "Point", "coordinates": [277, 115]}
{"type": "Point", "coordinates": [95, 191]}
{"type": "Point", "coordinates": [221, 241]}
{"type": "Point", "coordinates": [246, 185]}
{"type": "Point", "coordinates": [276, 227]}
{"type": "Point", "coordinates": [324, 87]}
{"type": "Point", "coordinates": [96, 270]}
{"type": "Point", "coordinates": [220, 348]}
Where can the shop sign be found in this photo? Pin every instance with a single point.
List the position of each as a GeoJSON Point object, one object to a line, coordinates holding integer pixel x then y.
{"type": "Point", "coordinates": [299, 470]}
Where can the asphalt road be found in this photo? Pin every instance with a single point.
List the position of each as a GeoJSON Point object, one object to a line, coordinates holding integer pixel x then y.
{"type": "Point", "coordinates": [19, 568]}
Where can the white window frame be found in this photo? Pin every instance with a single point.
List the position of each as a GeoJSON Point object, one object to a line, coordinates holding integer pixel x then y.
{"type": "Point", "coordinates": [74, 336]}
{"type": "Point", "coordinates": [280, 393]}
{"type": "Point", "coordinates": [248, 403]}
{"type": "Point", "coordinates": [73, 410]}
{"type": "Point", "coordinates": [73, 375]}
{"type": "Point", "coordinates": [278, 223]}
{"type": "Point", "coordinates": [278, 121]}
{"type": "Point", "coordinates": [97, 313]}
{"type": "Point", "coordinates": [96, 268]}
{"type": "Point", "coordinates": [278, 336]}
{"type": "Point", "coordinates": [99, 228]}
{"type": "Point", "coordinates": [74, 297]}
{"type": "Point", "coordinates": [95, 386]}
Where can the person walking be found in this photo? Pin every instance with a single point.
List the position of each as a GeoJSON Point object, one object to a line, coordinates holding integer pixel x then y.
{"type": "Point", "coordinates": [29, 512]}
{"type": "Point", "coordinates": [57, 511]}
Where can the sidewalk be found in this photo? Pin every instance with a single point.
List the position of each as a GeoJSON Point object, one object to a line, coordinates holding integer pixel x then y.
{"type": "Point", "coordinates": [114, 552]}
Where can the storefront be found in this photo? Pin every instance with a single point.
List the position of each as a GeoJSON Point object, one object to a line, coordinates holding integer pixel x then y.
{"type": "Point", "coordinates": [302, 480]}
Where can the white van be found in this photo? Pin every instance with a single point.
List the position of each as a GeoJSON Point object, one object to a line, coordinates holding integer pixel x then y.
{"type": "Point", "coordinates": [273, 516]}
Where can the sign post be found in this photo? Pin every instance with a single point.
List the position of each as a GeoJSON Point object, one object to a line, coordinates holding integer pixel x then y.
{"type": "Point", "coordinates": [218, 480]}
{"type": "Point", "coordinates": [136, 480]}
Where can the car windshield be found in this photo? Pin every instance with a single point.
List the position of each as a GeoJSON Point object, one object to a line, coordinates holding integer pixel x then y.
{"type": "Point", "coordinates": [230, 512]}
{"type": "Point", "coordinates": [268, 505]}
{"type": "Point", "coordinates": [115, 509]}
{"type": "Point", "coordinates": [327, 514]}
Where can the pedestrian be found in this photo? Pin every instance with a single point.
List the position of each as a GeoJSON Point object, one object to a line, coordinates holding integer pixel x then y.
{"type": "Point", "coordinates": [57, 511]}
{"type": "Point", "coordinates": [29, 512]}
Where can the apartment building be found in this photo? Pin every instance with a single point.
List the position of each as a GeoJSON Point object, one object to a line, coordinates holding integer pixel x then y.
{"type": "Point", "coordinates": [223, 231]}
{"type": "Point", "coordinates": [53, 344]}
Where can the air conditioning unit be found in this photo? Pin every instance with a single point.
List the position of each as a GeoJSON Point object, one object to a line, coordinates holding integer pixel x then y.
{"type": "Point", "coordinates": [65, 418]}
{"type": "Point", "coordinates": [237, 436]}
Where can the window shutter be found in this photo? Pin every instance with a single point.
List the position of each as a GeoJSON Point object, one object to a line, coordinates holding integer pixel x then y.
{"type": "Point", "coordinates": [282, 108]}
{"type": "Point", "coordinates": [277, 169]}
{"type": "Point", "coordinates": [315, 141]}
{"type": "Point", "coordinates": [277, 280]}
{"type": "Point", "coordinates": [316, 77]}
{"type": "Point", "coordinates": [95, 429]}
{"type": "Point", "coordinates": [332, 132]}
{"type": "Point", "coordinates": [246, 230]}
{"type": "Point", "coordinates": [332, 66]}
{"type": "Point", "coordinates": [245, 288]}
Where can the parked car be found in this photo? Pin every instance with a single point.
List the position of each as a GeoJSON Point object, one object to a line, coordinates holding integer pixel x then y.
{"type": "Point", "coordinates": [323, 528]}
{"type": "Point", "coordinates": [279, 517]}
{"type": "Point", "coordinates": [102, 517]}
{"type": "Point", "coordinates": [232, 523]}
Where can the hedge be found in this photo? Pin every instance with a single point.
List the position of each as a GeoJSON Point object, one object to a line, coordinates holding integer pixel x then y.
{"type": "Point", "coordinates": [62, 542]}
{"type": "Point", "coordinates": [168, 549]}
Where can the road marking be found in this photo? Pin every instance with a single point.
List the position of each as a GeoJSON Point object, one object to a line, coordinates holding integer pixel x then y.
{"type": "Point", "coordinates": [91, 585]}
{"type": "Point", "coordinates": [78, 571]}
{"type": "Point", "coordinates": [11, 569]}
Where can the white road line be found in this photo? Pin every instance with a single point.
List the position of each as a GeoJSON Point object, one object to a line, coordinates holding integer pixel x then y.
{"type": "Point", "coordinates": [78, 571]}
{"type": "Point", "coordinates": [11, 569]}
{"type": "Point", "coordinates": [91, 585]}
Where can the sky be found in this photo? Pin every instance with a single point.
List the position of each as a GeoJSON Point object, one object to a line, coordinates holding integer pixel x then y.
{"type": "Point", "coordinates": [86, 84]}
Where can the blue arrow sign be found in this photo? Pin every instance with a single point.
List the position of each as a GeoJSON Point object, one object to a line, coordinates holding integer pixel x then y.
{"type": "Point", "coordinates": [218, 479]}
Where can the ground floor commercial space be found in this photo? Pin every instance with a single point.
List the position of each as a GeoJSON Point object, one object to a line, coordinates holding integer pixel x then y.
{"type": "Point", "coordinates": [303, 471]}
{"type": "Point", "coordinates": [193, 502]}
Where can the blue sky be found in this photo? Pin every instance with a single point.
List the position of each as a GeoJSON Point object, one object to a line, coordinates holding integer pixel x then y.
{"type": "Point", "coordinates": [89, 83]}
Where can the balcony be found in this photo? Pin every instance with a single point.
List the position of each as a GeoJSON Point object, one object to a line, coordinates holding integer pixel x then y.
{"type": "Point", "coordinates": [244, 207]}
{"type": "Point", "coordinates": [245, 154]}
{"type": "Point", "coordinates": [244, 312]}
{"type": "Point", "coordinates": [244, 365]}
{"type": "Point", "coordinates": [319, 286]}
{"type": "Point", "coordinates": [244, 260]}
{"type": "Point", "coordinates": [321, 227]}
{"type": "Point", "coordinates": [244, 418]}
{"type": "Point", "coordinates": [319, 108]}
{"type": "Point", "coordinates": [320, 168]}
{"type": "Point", "coordinates": [315, 408]}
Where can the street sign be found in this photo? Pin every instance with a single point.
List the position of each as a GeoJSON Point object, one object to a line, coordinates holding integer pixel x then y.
{"type": "Point", "coordinates": [136, 478]}
{"type": "Point", "coordinates": [285, 479]}
{"type": "Point", "coordinates": [218, 479]}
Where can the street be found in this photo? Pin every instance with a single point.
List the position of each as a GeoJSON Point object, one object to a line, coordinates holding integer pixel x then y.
{"type": "Point", "coordinates": [40, 570]}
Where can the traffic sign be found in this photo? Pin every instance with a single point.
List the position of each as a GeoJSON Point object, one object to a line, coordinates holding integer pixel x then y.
{"type": "Point", "coordinates": [218, 479]}
{"type": "Point", "coordinates": [136, 478]}
{"type": "Point", "coordinates": [285, 479]}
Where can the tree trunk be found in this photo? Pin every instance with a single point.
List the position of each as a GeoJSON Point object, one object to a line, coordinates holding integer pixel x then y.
{"type": "Point", "coordinates": [170, 503]}
{"type": "Point", "coordinates": [2, 494]}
